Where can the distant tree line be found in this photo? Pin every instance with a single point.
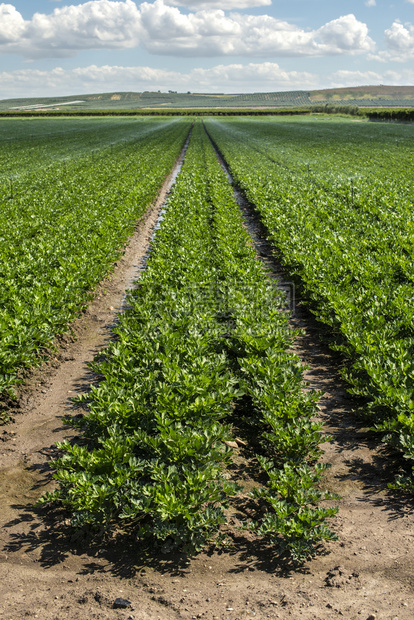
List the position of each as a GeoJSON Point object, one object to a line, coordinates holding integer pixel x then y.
{"type": "Point", "coordinates": [395, 114]}
{"type": "Point", "coordinates": [374, 114]}
{"type": "Point", "coordinates": [334, 108]}
{"type": "Point", "coordinates": [157, 112]}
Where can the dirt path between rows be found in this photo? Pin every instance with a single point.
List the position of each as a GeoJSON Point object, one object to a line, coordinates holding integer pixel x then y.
{"type": "Point", "coordinates": [46, 574]}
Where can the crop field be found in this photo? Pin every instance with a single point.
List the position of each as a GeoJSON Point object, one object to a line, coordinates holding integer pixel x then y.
{"type": "Point", "coordinates": [201, 387]}
{"type": "Point", "coordinates": [337, 200]}
{"type": "Point", "coordinates": [203, 342]}
{"type": "Point", "coordinates": [71, 195]}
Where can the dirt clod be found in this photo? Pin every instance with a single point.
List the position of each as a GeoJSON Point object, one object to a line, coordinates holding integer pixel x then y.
{"type": "Point", "coordinates": [121, 603]}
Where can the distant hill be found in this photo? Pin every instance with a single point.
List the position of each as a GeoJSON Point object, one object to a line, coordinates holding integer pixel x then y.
{"type": "Point", "coordinates": [368, 96]}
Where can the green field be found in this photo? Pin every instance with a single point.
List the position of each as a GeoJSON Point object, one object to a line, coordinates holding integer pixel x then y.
{"type": "Point", "coordinates": [204, 352]}
{"type": "Point", "coordinates": [71, 193]}
{"type": "Point", "coordinates": [337, 199]}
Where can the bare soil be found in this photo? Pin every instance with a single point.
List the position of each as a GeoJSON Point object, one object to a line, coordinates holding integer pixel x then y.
{"type": "Point", "coordinates": [47, 573]}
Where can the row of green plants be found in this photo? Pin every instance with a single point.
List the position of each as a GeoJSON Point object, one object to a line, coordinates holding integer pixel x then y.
{"type": "Point", "coordinates": [338, 206]}
{"type": "Point", "coordinates": [157, 112]}
{"type": "Point", "coordinates": [29, 145]}
{"type": "Point", "coordinates": [62, 227]}
{"type": "Point", "coordinates": [202, 353]}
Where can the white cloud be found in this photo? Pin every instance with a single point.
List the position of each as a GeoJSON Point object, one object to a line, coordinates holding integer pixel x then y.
{"type": "Point", "coordinates": [98, 24]}
{"type": "Point", "coordinates": [346, 34]}
{"type": "Point", "coordinates": [355, 78]}
{"type": "Point", "coordinates": [399, 39]}
{"type": "Point", "coordinates": [259, 77]}
{"type": "Point", "coordinates": [364, 78]}
{"type": "Point", "coordinates": [196, 5]}
{"type": "Point", "coordinates": [398, 78]}
{"type": "Point", "coordinates": [213, 33]}
{"type": "Point", "coordinates": [372, 3]}
{"type": "Point", "coordinates": [232, 78]}
{"type": "Point", "coordinates": [11, 24]}
{"type": "Point", "coordinates": [163, 29]}
{"type": "Point", "coordinates": [267, 76]}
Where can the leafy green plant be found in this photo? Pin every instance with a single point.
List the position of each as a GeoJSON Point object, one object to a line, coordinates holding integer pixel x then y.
{"type": "Point", "coordinates": [67, 224]}
{"type": "Point", "coordinates": [203, 330]}
{"type": "Point", "coordinates": [337, 202]}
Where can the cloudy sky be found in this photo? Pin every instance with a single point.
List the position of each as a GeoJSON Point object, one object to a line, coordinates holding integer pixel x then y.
{"type": "Point", "coordinates": [63, 47]}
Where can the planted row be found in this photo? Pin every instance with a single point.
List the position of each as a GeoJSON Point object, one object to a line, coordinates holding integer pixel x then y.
{"type": "Point", "coordinates": [62, 231]}
{"type": "Point", "coordinates": [270, 377]}
{"type": "Point", "coordinates": [156, 421]}
{"type": "Point", "coordinates": [345, 229]}
{"type": "Point", "coordinates": [204, 335]}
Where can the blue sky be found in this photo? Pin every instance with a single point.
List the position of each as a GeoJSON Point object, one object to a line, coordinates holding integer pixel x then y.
{"type": "Point", "coordinates": [56, 47]}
